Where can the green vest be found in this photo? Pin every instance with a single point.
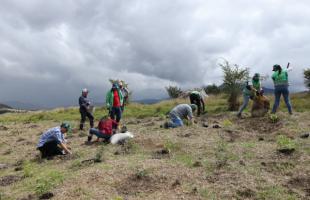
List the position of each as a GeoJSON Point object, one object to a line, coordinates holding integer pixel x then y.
{"type": "Point", "coordinates": [280, 79]}
{"type": "Point", "coordinates": [256, 85]}
{"type": "Point", "coordinates": [110, 98]}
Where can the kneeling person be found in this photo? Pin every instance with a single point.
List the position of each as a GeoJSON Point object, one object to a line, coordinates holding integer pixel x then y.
{"type": "Point", "coordinates": [179, 113]}
{"type": "Point", "coordinates": [53, 142]}
{"type": "Point", "coordinates": [105, 129]}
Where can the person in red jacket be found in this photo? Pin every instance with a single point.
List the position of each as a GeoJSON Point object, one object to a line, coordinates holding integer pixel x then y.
{"type": "Point", "coordinates": [105, 130]}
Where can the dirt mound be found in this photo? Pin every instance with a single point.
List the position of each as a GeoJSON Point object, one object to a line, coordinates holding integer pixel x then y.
{"type": "Point", "coordinates": [8, 180]}
{"type": "Point", "coordinates": [259, 125]}
{"type": "Point", "coordinates": [141, 183]}
{"type": "Point", "coordinates": [300, 182]}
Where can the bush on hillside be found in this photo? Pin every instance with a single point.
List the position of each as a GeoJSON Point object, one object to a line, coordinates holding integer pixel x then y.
{"type": "Point", "coordinates": [174, 91]}
{"type": "Point", "coordinates": [212, 89]}
{"type": "Point", "coordinates": [307, 78]}
{"type": "Point", "coordinates": [234, 77]}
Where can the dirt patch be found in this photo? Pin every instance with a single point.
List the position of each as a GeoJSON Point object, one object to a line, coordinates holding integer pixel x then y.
{"type": "Point", "coordinates": [280, 168]}
{"type": "Point", "coordinates": [259, 125]}
{"type": "Point", "coordinates": [229, 135]}
{"type": "Point", "coordinates": [3, 128]}
{"type": "Point", "coordinates": [161, 154]}
{"type": "Point", "coordinates": [138, 183]}
{"type": "Point", "coordinates": [8, 180]}
{"type": "Point", "coordinates": [29, 197]}
{"type": "Point", "coordinates": [286, 151]}
{"type": "Point", "coordinates": [246, 193]}
{"type": "Point", "coordinates": [300, 182]}
{"type": "Point", "coordinates": [47, 195]}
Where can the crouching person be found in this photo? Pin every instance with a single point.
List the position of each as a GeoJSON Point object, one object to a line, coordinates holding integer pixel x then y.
{"type": "Point", "coordinates": [179, 113]}
{"type": "Point", "coordinates": [53, 142]}
{"type": "Point", "coordinates": [105, 130]}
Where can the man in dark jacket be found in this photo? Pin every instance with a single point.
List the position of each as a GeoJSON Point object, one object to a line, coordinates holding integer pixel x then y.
{"type": "Point", "coordinates": [84, 109]}
{"type": "Point", "coordinates": [196, 98]}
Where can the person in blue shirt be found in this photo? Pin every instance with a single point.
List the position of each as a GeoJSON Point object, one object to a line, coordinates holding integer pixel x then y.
{"type": "Point", "coordinates": [52, 142]}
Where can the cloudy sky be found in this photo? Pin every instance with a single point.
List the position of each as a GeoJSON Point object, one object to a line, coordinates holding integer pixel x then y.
{"type": "Point", "coordinates": [50, 50]}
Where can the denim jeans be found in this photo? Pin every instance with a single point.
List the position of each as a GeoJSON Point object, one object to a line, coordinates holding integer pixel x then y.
{"type": "Point", "coordinates": [281, 90]}
{"type": "Point", "coordinates": [99, 134]}
{"type": "Point", "coordinates": [175, 121]}
{"type": "Point", "coordinates": [116, 112]}
{"type": "Point", "coordinates": [246, 100]}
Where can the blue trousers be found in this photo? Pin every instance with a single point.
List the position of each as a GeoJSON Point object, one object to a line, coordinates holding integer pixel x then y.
{"type": "Point", "coordinates": [175, 122]}
{"type": "Point", "coordinates": [116, 112]}
{"type": "Point", "coordinates": [281, 90]}
{"type": "Point", "coordinates": [246, 100]}
{"type": "Point", "coordinates": [97, 133]}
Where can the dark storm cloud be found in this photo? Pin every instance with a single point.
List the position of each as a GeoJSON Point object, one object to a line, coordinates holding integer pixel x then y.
{"type": "Point", "coordinates": [49, 50]}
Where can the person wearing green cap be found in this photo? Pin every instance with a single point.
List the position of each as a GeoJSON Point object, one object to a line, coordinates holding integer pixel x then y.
{"type": "Point", "coordinates": [249, 91]}
{"type": "Point", "coordinates": [197, 99]}
{"type": "Point", "coordinates": [280, 80]}
{"type": "Point", "coordinates": [179, 113]}
{"type": "Point", "coordinates": [53, 142]}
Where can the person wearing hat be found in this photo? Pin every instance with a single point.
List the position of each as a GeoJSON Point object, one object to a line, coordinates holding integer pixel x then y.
{"type": "Point", "coordinates": [52, 142]}
{"type": "Point", "coordinates": [249, 91]}
{"type": "Point", "coordinates": [179, 113]}
{"type": "Point", "coordinates": [114, 101]}
{"type": "Point", "coordinates": [125, 93]}
{"type": "Point", "coordinates": [280, 80]}
{"type": "Point", "coordinates": [197, 99]}
{"type": "Point", "coordinates": [84, 110]}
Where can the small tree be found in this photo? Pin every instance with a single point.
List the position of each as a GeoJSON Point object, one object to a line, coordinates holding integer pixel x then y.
{"type": "Point", "coordinates": [212, 89]}
{"type": "Point", "coordinates": [234, 77]}
{"type": "Point", "coordinates": [307, 78]}
{"type": "Point", "coordinates": [173, 91]}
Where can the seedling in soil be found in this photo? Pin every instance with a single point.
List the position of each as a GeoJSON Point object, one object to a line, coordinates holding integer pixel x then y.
{"type": "Point", "coordinates": [140, 174]}
{"type": "Point", "coordinates": [285, 144]}
{"type": "Point", "coordinates": [273, 118]}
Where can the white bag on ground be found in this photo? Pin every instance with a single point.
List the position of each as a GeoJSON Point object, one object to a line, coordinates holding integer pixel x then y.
{"type": "Point", "coordinates": [120, 137]}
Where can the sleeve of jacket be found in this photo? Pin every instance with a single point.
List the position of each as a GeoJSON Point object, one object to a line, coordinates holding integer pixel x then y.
{"type": "Point", "coordinates": [108, 99]}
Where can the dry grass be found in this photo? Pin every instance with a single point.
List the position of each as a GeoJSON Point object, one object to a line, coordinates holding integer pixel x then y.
{"type": "Point", "coordinates": [238, 161]}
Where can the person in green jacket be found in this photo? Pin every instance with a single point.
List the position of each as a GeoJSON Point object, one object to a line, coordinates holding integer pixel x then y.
{"type": "Point", "coordinates": [280, 80]}
{"type": "Point", "coordinates": [114, 101]}
{"type": "Point", "coordinates": [249, 91]}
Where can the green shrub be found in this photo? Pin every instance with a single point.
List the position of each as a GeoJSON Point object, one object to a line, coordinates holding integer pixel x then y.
{"type": "Point", "coordinates": [48, 181]}
{"type": "Point", "coordinates": [285, 143]}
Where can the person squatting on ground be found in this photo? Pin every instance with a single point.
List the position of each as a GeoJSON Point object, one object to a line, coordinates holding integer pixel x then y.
{"type": "Point", "coordinates": [105, 130]}
{"type": "Point", "coordinates": [52, 142]}
{"type": "Point", "coordinates": [114, 101]}
{"type": "Point", "coordinates": [84, 110]}
{"type": "Point", "coordinates": [179, 113]}
{"type": "Point", "coordinates": [280, 80]}
{"type": "Point", "coordinates": [125, 93]}
{"type": "Point", "coordinates": [196, 98]}
{"type": "Point", "coordinates": [250, 91]}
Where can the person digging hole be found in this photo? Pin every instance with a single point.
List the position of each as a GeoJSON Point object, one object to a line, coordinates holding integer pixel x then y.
{"type": "Point", "coordinates": [53, 142]}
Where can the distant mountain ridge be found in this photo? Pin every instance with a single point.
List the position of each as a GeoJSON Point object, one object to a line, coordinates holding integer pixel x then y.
{"type": "Point", "coordinates": [4, 106]}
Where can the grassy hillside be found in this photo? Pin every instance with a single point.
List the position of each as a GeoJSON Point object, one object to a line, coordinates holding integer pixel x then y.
{"type": "Point", "coordinates": [252, 158]}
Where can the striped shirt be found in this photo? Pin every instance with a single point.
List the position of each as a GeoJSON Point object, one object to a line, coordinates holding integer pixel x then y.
{"type": "Point", "coordinates": [53, 134]}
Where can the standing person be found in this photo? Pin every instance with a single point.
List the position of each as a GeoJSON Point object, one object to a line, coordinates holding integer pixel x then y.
{"type": "Point", "coordinates": [125, 93]}
{"type": "Point", "coordinates": [53, 142]}
{"type": "Point", "coordinates": [84, 109]}
{"type": "Point", "coordinates": [196, 98]}
{"type": "Point", "coordinates": [179, 113]}
{"type": "Point", "coordinates": [280, 80]}
{"type": "Point", "coordinates": [104, 131]}
{"type": "Point", "coordinates": [249, 92]}
{"type": "Point", "coordinates": [114, 101]}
